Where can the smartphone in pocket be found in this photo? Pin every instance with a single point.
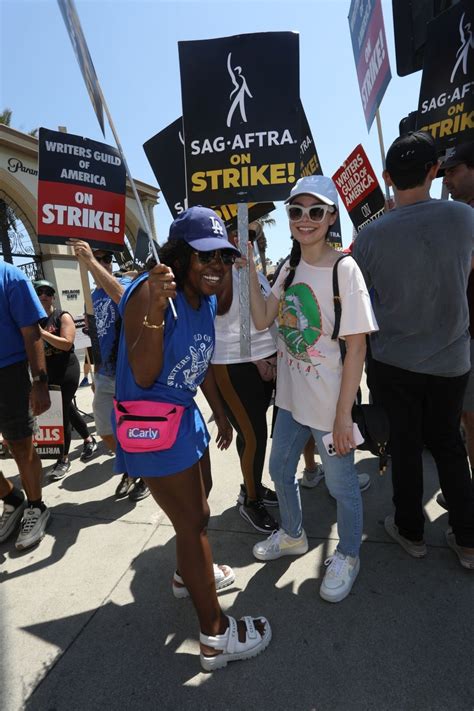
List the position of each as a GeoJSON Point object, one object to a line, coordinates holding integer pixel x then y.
{"type": "Point", "coordinates": [329, 442]}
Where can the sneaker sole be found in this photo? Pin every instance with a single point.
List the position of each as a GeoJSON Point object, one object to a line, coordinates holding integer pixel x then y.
{"type": "Point", "coordinates": [57, 477]}
{"type": "Point", "coordinates": [274, 556]}
{"type": "Point", "coordinates": [451, 541]}
{"type": "Point", "coordinates": [89, 456]}
{"type": "Point", "coordinates": [245, 516]}
{"type": "Point", "coordinates": [24, 545]}
{"type": "Point", "coordinates": [341, 595]}
{"type": "Point", "coordinates": [13, 522]}
{"type": "Point", "coordinates": [139, 498]}
{"type": "Point", "coordinates": [401, 542]}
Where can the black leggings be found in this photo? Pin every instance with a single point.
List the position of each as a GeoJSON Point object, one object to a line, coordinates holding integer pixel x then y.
{"type": "Point", "coordinates": [69, 380]}
{"type": "Point", "coordinates": [246, 400]}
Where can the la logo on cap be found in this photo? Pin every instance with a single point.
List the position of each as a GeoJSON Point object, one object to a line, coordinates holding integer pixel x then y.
{"type": "Point", "coordinates": [216, 226]}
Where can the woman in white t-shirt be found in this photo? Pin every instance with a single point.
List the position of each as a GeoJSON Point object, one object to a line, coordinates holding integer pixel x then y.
{"type": "Point", "coordinates": [316, 391]}
{"type": "Point", "coordinates": [246, 385]}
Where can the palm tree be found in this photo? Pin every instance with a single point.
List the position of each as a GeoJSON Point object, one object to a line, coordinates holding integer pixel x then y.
{"type": "Point", "coordinates": [258, 226]}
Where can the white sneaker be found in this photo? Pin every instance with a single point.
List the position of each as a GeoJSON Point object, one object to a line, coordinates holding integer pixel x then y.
{"type": "Point", "coordinates": [340, 577]}
{"type": "Point", "coordinates": [311, 478]}
{"type": "Point", "coordinates": [33, 527]}
{"type": "Point", "coordinates": [10, 519]}
{"type": "Point", "coordinates": [280, 543]}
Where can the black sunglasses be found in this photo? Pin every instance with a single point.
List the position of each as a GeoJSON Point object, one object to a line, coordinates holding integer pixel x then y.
{"type": "Point", "coordinates": [106, 259]}
{"type": "Point", "coordinates": [228, 256]}
{"type": "Point", "coordinates": [44, 290]}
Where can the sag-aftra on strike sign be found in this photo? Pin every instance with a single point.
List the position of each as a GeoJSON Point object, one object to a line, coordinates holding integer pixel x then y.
{"type": "Point", "coordinates": [241, 117]}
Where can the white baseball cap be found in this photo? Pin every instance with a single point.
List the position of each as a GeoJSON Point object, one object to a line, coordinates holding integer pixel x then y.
{"type": "Point", "coordinates": [320, 186]}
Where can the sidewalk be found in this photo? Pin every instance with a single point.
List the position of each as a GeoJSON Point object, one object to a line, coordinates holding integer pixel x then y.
{"type": "Point", "coordinates": [88, 621]}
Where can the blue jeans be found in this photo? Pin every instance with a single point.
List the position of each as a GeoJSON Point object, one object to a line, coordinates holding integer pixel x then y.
{"type": "Point", "coordinates": [289, 439]}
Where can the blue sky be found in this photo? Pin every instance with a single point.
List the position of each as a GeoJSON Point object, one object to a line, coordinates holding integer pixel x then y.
{"type": "Point", "coordinates": [134, 48]}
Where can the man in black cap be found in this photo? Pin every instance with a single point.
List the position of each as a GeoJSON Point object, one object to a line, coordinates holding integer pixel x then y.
{"type": "Point", "coordinates": [458, 168]}
{"type": "Point", "coordinates": [417, 258]}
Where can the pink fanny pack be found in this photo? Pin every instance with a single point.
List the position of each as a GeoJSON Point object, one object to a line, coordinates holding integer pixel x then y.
{"type": "Point", "coordinates": [147, 426]}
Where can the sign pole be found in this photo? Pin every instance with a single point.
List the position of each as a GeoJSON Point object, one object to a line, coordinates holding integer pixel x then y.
{"type": "Point", "coordinates": [382, 150]}
{"type": "Point", "coordinates": [79, 43]}
{"type": "Point", "coordinates": [244, 281]}
{"type": "Point", "coordinates": [141, 211]}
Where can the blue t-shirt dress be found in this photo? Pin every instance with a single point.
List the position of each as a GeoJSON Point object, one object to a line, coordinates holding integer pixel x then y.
{"type": "Point", "coordinates": [188, 348]}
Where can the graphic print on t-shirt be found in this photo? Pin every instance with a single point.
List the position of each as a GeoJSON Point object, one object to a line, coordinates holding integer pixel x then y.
{"type": "Point", "coordinates": [190, 370]}
{"type": "Point", "coordinates": [299, 321]}
{"type": "Point", "coordinates": [104, 315]}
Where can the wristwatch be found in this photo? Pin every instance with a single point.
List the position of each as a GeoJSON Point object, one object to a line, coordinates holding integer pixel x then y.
{"type": "Point", "coordinates": [41, 378]}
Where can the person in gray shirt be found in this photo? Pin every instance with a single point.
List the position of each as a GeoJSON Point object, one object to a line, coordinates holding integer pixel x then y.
{"type": "Point", "coordinates": [417, 260]}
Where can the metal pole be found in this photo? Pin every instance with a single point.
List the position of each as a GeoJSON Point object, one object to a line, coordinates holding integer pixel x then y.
{"type": "Point", "coordinates": [382, 149]}
{"type": "Point", "coordinates": [141, 211]}
{"type": "Point", "coordinates": [244, 281]}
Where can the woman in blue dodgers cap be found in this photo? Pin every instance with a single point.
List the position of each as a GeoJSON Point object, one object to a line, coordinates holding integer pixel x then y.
{"type": "Point", "coordinates": [164, 360]}
{"type": "Point", "coordinates": [315, 390]}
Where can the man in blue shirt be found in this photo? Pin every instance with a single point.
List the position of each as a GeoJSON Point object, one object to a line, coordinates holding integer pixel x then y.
{"type": "Point", "coordinates": [20, 402]}
{"type": "Point", "coordinates": [105, 299]}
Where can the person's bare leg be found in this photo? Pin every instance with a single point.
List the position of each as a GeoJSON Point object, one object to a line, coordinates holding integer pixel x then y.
{"type": "Point", "coordinates": [29, 466]}
{"type": "Point", "coordinates": [109, 441]}
{"type": "Point", "coordinates": [182, 497]}
{"type": "Point", "coordinates": [468, 424]}
{"type": "Point", "coordinates": [205, 467]}
{"type": "Point", "coordinates": [6, 487]}
{"type": "Point", "coordinates": [308, 454]}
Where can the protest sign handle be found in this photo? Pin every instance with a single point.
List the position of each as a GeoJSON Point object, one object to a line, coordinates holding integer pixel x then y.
{"type": "Point", "coordinates": [382, 150]}
{"type": "Point", "coordinates": [144, 220]}
{"type": "Point", "coordinates": [244, 282]}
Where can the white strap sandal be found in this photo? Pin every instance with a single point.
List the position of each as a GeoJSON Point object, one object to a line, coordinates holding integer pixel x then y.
{"type": "Point", "coordinates": [223, 575]}
{"type": "Point", "coordinates": [231, 649]}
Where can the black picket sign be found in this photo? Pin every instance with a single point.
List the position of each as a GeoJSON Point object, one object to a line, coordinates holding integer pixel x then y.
{"type": "Point", "coordinates": [446, 104]}
{"type": "Point", "coordinates": [241, 138]}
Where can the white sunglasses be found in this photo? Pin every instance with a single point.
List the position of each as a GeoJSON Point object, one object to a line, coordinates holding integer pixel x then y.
{"type": "Point", "coordinates": [316, 213]}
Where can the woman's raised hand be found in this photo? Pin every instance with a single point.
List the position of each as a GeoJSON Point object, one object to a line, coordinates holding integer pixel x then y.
{"type": "Point", "coordinates": [242, 261]}
{"type": "Point", "coordinates": [162, 285]}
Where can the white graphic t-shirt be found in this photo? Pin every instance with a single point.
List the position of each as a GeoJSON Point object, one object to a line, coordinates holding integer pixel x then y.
{"type": "Point", "coordinates": [309, 362]}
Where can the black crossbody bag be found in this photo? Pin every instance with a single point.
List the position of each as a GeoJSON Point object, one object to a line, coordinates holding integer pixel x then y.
{"type": "Point", "coordinates": [371, 420]}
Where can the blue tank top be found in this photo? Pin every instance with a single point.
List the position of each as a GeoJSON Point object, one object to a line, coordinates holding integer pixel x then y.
{"type": "Point", "coordinates": [188, 348]}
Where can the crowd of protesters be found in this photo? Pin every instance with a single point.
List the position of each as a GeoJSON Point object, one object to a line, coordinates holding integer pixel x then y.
{"type": "Point", "coordinates": [415, 262]}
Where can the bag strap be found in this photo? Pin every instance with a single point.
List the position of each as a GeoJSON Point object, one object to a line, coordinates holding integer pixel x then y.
{"type": "Point", "coordinates": [336, 298]}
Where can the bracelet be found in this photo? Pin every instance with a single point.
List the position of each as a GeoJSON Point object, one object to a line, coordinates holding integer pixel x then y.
{"type": "Point", "coordinates": [152, 325]}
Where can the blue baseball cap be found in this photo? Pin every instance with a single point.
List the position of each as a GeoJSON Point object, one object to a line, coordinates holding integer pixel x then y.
{"type": "Point", "coordinates": [202, 229]}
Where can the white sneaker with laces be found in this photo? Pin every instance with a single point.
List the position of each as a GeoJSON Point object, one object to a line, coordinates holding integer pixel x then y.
{"type": "Point", "coordinates": [342, 570]}
{"type": "Point", "coordinates": [33, 527]}
{"type": "Point", "coordinates": [312, 477]}
{"type": "Point", "coordinates": [10, 519]}
{"type": "Point", "coordinates": [280, 543]}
